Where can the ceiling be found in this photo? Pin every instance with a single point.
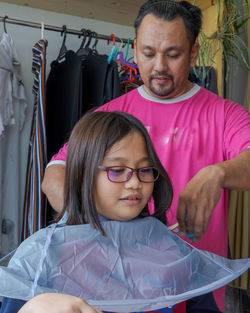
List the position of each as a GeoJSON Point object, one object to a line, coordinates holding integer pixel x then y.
{"type": "Point", "coordinates": [114, 11]}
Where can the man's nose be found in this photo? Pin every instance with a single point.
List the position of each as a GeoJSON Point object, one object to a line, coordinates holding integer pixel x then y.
{"type": "Point", "coordinates": [160, 63]}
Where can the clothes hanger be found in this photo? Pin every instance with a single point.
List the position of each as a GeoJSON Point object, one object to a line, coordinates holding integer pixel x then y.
{"type": "Point", "coordinates": [113, 38]}
{"type": "Point", "coordinates": [113, 51]}
{"type": "Point", "coordinates": [126, 56]}
{"type": "Point", "coordinates": [122, 45]}
{"type": "Point", "coordinates": [63, 48]}
{"type": "Point", "coordinates": [120, 58]}
{"type": "Point", "coordinates": [4, 23]}
{"type": "Point", "coordinates": [95, 43]}
{"type": "Point", "coordinates": [85, 51]}
{"type": "Point", "coordinates": [90, 35]}
{"type": "Point", "coordinates": [42, 30]}
{"type": "Point", "coordinates": [130, 70]}
{"type": "Point", "coordinates": [130, 74]}
{"type": "Point", "coordinates": [84, 34]}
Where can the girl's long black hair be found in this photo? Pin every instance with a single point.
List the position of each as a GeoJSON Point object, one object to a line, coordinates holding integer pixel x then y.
{"type": "Point", "coordinates": [91, 137]}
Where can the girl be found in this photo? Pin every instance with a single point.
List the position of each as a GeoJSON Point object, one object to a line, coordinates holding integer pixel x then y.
{"type": "Point", "coordinates": [105, 248]}
{"type": "Point", "coordinates": [112, 171]}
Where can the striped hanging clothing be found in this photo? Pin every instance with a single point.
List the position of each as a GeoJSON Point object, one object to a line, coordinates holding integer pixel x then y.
{"type": "Point", "coordinates": [34, 211]}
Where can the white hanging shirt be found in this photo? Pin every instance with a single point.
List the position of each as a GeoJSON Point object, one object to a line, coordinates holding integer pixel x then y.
{"type": "Point", "coordinates": [11, 85]}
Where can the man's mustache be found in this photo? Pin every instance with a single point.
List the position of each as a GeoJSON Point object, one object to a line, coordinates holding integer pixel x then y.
{"type": "Point", "coordinates": [161, 74]}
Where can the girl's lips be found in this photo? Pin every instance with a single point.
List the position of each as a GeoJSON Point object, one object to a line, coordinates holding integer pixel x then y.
{"type": "Point", "coordinates": [131, 199]}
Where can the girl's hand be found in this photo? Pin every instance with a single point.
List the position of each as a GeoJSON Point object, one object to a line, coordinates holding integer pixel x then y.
{"type": "Point", "coordinates": [57, 303]}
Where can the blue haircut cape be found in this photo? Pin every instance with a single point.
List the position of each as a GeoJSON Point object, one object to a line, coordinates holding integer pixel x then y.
{"type": "Point", "coordinates": [139, 265]}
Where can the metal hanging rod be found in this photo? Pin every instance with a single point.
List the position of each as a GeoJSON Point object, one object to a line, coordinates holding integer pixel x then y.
{"type": "Point", "coordinates": [6, 19]}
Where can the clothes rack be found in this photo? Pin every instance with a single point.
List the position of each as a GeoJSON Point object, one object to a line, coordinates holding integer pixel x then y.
{"type": "Point", "coordinates": [6, 19]}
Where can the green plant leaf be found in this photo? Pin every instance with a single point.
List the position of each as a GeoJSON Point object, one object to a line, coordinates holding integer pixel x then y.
{"type": "Point", "coordinates": [230, 21]}
{"type": "Point", "coordinates": [242, 23]}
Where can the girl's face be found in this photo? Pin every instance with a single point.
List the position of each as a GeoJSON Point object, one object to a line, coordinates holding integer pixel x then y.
{"type": "Point", "coordinates": [123, 201]}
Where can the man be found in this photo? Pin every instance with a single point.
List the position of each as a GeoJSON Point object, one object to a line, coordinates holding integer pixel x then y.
{"type": "Point", "coordinates": [201, 139]}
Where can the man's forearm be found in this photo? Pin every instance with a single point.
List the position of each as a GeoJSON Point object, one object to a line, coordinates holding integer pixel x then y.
{"type": "Point", "coordinates": [235, 173]}
{"type": "Point", "coordinates": [53, 185]}
{"type": "Point", "coordinates": [201, 194]}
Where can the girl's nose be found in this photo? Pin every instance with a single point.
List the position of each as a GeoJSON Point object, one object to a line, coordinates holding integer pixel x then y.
{"type": "Point", "coordinates": [133, 182]}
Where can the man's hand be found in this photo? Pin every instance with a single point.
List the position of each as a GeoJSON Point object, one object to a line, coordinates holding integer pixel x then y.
{"type": "Point", "coordinates": [202, 193]}
{"type": "Point", "coordinates": [57, 303]}
{"type": "Point", "coordinates": [198, 200]}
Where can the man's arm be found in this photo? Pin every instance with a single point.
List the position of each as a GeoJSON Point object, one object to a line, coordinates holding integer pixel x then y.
{"type": "Point", "coordinates": [202, 193]}
{"type": "Point", "coordinates": [53, 185]}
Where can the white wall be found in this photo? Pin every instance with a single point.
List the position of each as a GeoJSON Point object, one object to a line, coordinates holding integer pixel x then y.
{"type": "Point", "coordinates": [25, 37]}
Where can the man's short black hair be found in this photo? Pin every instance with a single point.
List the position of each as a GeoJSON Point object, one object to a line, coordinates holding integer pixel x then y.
{"type": "Point", "coordinates": [169, 10]}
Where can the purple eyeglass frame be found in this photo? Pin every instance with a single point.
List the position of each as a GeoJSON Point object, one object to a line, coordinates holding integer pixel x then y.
{"type": "Point", "coordinates": [136, 170]}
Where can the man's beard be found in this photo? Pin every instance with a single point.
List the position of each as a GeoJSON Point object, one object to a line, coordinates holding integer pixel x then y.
{"type": "Point", "coordinates": [161, 90]}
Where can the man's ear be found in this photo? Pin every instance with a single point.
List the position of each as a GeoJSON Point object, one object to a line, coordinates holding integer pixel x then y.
{"type": "Point", "coordinates": [135, 56]}
{"type": "Point", "coordinates": [194, 54]}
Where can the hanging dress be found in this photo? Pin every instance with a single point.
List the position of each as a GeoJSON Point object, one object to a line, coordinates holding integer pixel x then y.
{"type": "Point", "coordinates": [34, 215]}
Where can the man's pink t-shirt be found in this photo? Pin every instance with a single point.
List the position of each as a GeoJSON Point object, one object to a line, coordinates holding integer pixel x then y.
{"type": "Point", "coordinates": [190, 132]}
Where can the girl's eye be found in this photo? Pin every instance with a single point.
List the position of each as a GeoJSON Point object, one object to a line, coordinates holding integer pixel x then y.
{"type": "Point", "coordinates": [117, 170]}
{"type": "Point", "coordinates": [146, 170]}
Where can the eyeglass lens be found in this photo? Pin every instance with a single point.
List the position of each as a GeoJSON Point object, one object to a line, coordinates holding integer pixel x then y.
{"type": "Point", "coordinates": [122, 174]}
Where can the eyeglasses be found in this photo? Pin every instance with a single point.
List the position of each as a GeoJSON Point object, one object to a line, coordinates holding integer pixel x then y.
{"type": "Point", "coordinates": [121, 174]}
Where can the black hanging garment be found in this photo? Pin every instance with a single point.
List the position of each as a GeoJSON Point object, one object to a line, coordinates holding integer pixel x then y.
{"type": "Point", "coordinates": [80, 82]}
{"type": "Point", "coordinates": [100, 81]}
{"type": "Point", "coordinates": [210, 81]}
{"type": "Point", "coordinates": [63, 100]}
{"type": "Point", "coordinates": [74, 86]}
{"type": "Point", "coordinates": [112, 83]}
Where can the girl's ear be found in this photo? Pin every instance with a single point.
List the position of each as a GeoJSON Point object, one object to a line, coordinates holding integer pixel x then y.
{"type": "Point", "coordinates": [194, 54]}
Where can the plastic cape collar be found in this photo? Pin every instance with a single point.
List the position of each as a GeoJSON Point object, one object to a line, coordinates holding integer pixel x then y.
{"type": "Point", "coordinates": [138, 266]}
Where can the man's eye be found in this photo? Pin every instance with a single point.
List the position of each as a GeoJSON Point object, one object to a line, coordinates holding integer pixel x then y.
{"type": "Point", "coordinates": [173, 56]}
{"type": "Point", "coordinates": [147, 55]}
